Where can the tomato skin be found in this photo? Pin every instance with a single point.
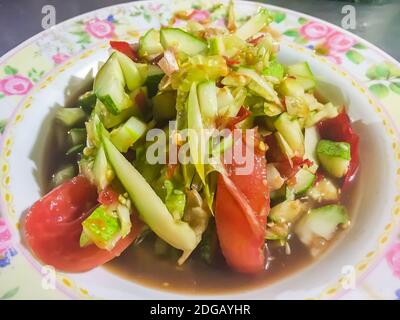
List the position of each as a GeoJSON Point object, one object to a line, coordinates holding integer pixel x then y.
{"type": "Point", "coordinates": [241, 236]}
{"type": "Point", "coordinates": [53, 227]}
{"type": "Point", "coordinates": [107, 196]}
{"type": "Point", "coordinates": [125, 48]}
{"type": "Point", "coordinates": [339, 129]}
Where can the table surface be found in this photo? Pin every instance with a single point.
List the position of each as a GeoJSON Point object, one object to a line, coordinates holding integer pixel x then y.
{"type": "Point", "coordinates": [379, 24]}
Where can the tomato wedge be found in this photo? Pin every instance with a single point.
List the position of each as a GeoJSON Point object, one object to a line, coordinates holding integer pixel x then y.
{"type": "Point", "coordinates": [339, 129]}
{"type": "Point", "coordinates": [125, 48]}
{"type": "Point", "coordinates": [242, 206]}
{"type": "Point", "coordinates": [53, 228]}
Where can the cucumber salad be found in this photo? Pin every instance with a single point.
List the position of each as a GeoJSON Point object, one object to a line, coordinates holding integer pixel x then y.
{"type": "Point", "coordinates": [282, 161]}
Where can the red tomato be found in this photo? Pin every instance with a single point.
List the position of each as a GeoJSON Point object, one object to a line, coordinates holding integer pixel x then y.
{"type": "Point", "coordinates": [339, 129]}
{"type": "Point", "coordinates": [53, 228]}
{"type": "Point", "coordinates": [242, 206]}
{"type": "Point", "coordinates": [107, 196]}
{"type": "Point", "coordinates": [125, 48]}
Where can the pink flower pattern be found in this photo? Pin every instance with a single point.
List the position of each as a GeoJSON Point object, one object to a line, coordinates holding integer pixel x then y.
{"type": "Point", "coordinates": [6, 249]}
{"type": "Point", "coordinates": [393, 259]}
{"type": "Point", "coordinates": [199, 15]}
{"type": "Point", "coordinates": [100, 29]}
{"type": "Point", "coordinates": [15, 85]}
{"type": "Point", "coordinates": [314, 30]}
{"type": "Point", "coordinates": [59, 57]}
{"type": "Point", "coordinates": [339, 42]}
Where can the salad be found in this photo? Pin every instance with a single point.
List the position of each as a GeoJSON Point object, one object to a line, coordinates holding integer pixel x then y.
{"type": "Point", "coordinates": [200, 140]}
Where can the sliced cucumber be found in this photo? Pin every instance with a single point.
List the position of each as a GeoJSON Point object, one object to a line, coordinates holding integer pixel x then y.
{"type": "Point", "coordinates": [327, 112]}
{"type": "Point", "coordinates": [304, 181]}
{"type": "Point", "coordinates": [154, 76]}
{"type": "Point", "coordinates": [102, 171]}
{"type": "Point", "coordinates": [87, 101]}
{"type": "Point", "coordinates": [277, 231]}
{"type": "Point", "coordinates": [254, 25]}
{"type": "Point", "coordinates": [279, 194]}
{"type": "Point", "coordinates": [291, 87]}
{"type": "Point", "coordinates": [149, 44]}
{"type": "Point", "coordinates": [109, 120]}
{"type": "Point", "coordinates": [164, 105]}
{"type": "Point", "coordinates": [303, 74]}
{"type": "Point", "coordinates": [334, 157]}
{"type": "Point", "coordinates": [216, 46]}
{"type": "Point", "coordinates": [70, 117]}
{"type": "Point", "coordinates": [324, 190]}
{"type": "Point", "coordinates": [109, 86]}
{"type": "Point", "coordinates": [286, 211]}
{"type": "Point", "coordinates": [259, 85]}
{"type": "Point", "coordinates": [284, 146]}
{"type": "Point", "coordinates": [321, 222]}
{"type": "Point", "coordinates": [65, 173]}
{"type": "Point", "coordinates": [75, 149]}
{"type": "Point", "coordinates": [182, 41]}
{"type": "Point", "coordinates": [127, 134]}
{"type": "Point", "coordinates": [291, 132]}
{"type": "Point", "coordinates": [150, 207]}
{"type": "Point", "coordinates": [311, 138]}
{"type": "Point", "coordinates": [207, 94]}
{"type": "Point", "coordinates": [102, 228]}
{"type": "Point", "coordinates": [77, 136]}
{"type": "Point", "coordinates": [132, 75]}
{"type": "Point", "coordinates": [275, 181]}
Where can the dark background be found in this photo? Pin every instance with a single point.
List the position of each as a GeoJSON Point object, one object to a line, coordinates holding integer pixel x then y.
{"type": "Point", "coordinates": [377, 23]}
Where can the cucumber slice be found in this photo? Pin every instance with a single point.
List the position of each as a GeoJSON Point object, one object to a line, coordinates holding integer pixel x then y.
{"type": "Point", "coordinates": [75, 149]}
{"type": "Point", "coordinates": [149, 44]}
{"type": "Point", "coordinates": [291, 87]}
{"type": "Point", "coordinates": [304, 181]}
{"type": "Point", "coordinates": [87, 101]}
{"type": "Point", "coordinates": [327, 112]}
{"type": "Point", "coordinates": [77, 136]}
{"type": "Point", "coordinates": [334, 157]}
{"type": "Point", "coordinates": [109, 120]}
{"type": "Point", "coordinates": [321, 222]}
{"type": "Point", "coordinates": [259, 85]}
{"type": "Point", "coordinates": [102, 171]}
{"type": "Point", "coordinates": [150, 207]}
{"type": "Point", "coordinates": [254, 25]}
{"type": "Point", "coordinates": [195, 126]}
{"type": "Point", "coordinates": [216, 46]}
{"type": "Point", "coordinates": [291, 132]}
{"type": "Point", "coordinates": [109, 86]}
{"type": "Point", "coordinates": [207, 93]}
{"type": "Point", "coordinates": [182, 41]}
{"type": "Point", "coordinates": [324, 190]}
{"type": "Point", "coordinates": [154, 76]}
{"type": "Point", "coordinates": [303, 74]}
{"type": "Point", "coordinates": [70, 117]}
{"type": "Point", "coordinates": [286, 211]}
{"type": "Point", "coordinates": [311, 138]}
{"type": "Point", "coordinates": [65, 173]}
{"type": "Point", "coordinates": [284, 146]}
{"type": "Point", "coordinates": [277, 231]}
{"type": "Point", "coordinates": [279, 194]}
{"type": "Point", "coordinates": [133, 78]}
{"type": "Point", "coordinates": [102, 228]}
{"type": "Point", "coordinates": [164, 106]}
{"type": "Point", "coordinates": [127, 134]}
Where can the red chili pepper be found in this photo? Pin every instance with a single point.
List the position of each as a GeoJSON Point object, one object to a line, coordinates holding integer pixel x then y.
{"type": "Point", "coordinates": [171, 170]}
{"type": "Point", "coordinates": [108, 196]}
{"type": "Point", "coordinates": [242, 114]}
{"type": "Point", "coordinates": [256, 40]}
{"type": "Point", "coordinates": [231, 62]}
{"type": "Point", "coordinates": [339, 129]}
{"type": "Point", "coordinates": [125, 48]}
